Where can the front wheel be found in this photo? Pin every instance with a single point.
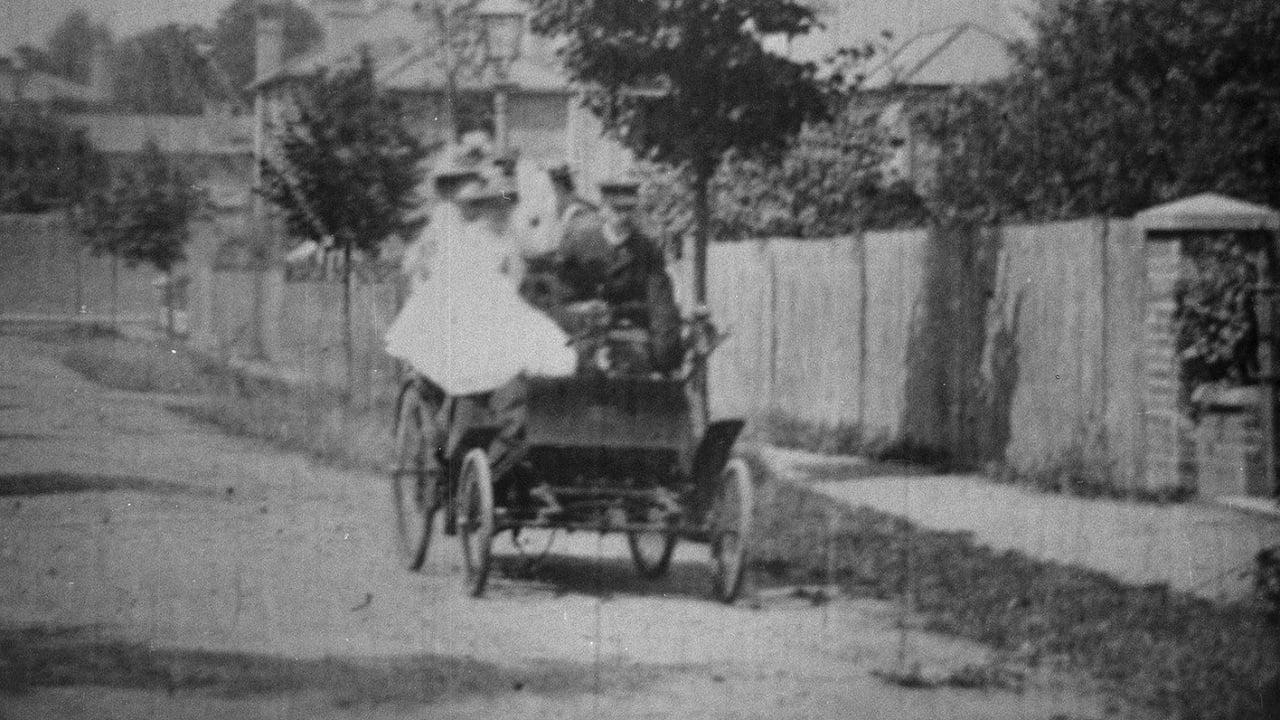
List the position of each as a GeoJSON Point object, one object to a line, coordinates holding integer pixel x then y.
{"type": "Point", "coordinates": [476, 520]}
{"type": "Point", "coordinates": [413, 483]}
{"type": "Point", "coordinates": [730, 528]}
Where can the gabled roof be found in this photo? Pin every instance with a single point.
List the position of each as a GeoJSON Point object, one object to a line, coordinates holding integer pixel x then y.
{"type": "Point", "coordinates": [1209, 211]}
{"type": "Point", "coordinates": [963, 54]}
{"type": "Point", "coordinates": [395, 39]}
{"type": "Point", "coordinates": [416, 70]}
{"type": "Point", "coordinates": [388, 32]}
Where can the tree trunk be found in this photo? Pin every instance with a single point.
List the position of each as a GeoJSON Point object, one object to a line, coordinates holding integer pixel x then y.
{"type": "Point", "coordinates": [348, 350]}
{"type": "Point", "coordinates": [168, 303]}
{"type": "Point", "coordinates": [701, 219]}
{"type": "Point", "coordinates": [78, 311]}
{"type": "Point", "coordinates": [115, 293]}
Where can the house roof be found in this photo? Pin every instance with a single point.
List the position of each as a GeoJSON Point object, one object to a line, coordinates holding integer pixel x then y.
{"type": "Point", "coordinates": [963, 54]}
{"type": "Point", "coordinates": [41, 85]}
{"type": "Point", "coordinates": [396, 40]}
{"type": "Point", "coordinates": [1209, 211]}
{"type": "Point", "coordinates": [528, 73]}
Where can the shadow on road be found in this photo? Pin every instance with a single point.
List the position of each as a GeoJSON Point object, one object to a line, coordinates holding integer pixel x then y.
{"type": "Point", "coordinates": [35, 657]}
{"type": "Point", "coordinates": [55, 483]}
{"type": "Point", "coordinates": [601, 577]}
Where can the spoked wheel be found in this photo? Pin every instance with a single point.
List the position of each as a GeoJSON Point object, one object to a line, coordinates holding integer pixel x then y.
{"type": "Point", "coordinates": [475, 519]}
{"type": "Point", "coordinates": [651, 551]}
{"type": "Point", "coordinates": [730, 526]}
{"type": "Point", "coordinates": [413, 485]}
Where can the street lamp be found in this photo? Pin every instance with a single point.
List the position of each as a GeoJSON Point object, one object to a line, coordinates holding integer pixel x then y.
{"type": "Point", "coordinates": [503, 23]}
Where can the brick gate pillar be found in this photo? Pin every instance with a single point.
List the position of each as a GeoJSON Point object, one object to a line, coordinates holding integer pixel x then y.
{"type": "Point", "coordinates": [1169, 441]}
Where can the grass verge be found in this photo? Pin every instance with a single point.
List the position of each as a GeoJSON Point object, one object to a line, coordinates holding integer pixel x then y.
{"type": "Point", "coordinates": [1180, 655]}
{"type": "Point", "coordinates": [844, 438]}
{"type": "Point", "coordinates": [310, 419]}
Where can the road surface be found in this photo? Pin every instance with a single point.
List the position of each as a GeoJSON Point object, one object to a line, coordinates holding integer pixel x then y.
{"type": "Point", "coordinates": [151, 567]}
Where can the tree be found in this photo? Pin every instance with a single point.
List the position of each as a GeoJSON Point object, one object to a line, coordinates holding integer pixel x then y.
{"type": "Point", "coordinates": [44, 163]}
{"type": "Point", "coordinates": [1117, 105]}
{"type": "Point", "coordinates": [72, 43]}
{"type": "Point", "coordinates": [234, 35]}
{"type": "Point", "coordinates": [143, 216]}
{"type": "Point", "coordinates": [162, 71]}
{"type": "Point", "coordinates": [828, 182]}
{"type": "Point", "coordinates": [33, 58]}
{"type": "Point", "coordinates": [347, 170]}
{"type": "Point", "coordinates": [683, 82]}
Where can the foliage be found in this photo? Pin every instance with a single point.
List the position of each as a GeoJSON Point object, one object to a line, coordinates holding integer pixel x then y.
{"type": "Point", "coordinates": [1115, 106]}
{"type": "Point", "coordinates": [71, 44]}
{"type": "Point", "coordinates": [683, 82]}
{"type": "Point", "coordinates": [721, 90]}
{"type": "Point", "coordinates": [1215, 323]}
{"type": "Point", "coordinates": [44, 163]}
{"type": "Point", "coordinates": [143, 216]}
{"type": "Point", "coordinates": [352, 156]}
{"type": "Point", "coordinates": [33, 58]}
{"type": "Point", "coordinates": [162, 70]}
{"type": "Point", "coordinates": [828, 182]}
{"type": "Point", "coordinates": [235, 32]}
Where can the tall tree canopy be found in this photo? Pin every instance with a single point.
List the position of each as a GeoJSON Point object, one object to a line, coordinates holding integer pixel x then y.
{"type": "Point", "coordinates": [351, 156]}
{"type": "Point", "coordinates": [233, 36]}
{"type": "Point", "coordinates": [683, 82]}
{"type": "Point", "coordinates": [830, 181]}
{"type": "Point", "coordinates": [162, 71]}
{"type": "Point", "coordinates": [143, 215]}
{"type": "Point", "coordinates": [1117, 105]}
{"type": "Point", "coordinates": [44, 163]}
{"type": "Point", "coordinates": [71, 44]}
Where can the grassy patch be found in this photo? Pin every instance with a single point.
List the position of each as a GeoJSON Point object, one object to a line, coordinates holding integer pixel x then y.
{"type": "Point", "coordinates": [314, 424]}
{"type": "Point", "coordinates": [139, 365]}
{"type": "Point", "coordinates": [844, 438]}
{"type": "Point", "coordinates": [1181, 655]}
{"type": "Point", "coordinates": [1075, 472]}
{"type": "Point", "coordinates": [310, 419]}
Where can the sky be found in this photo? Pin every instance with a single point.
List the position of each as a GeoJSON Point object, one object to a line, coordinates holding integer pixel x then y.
{"type": "Point", "coordinates": [29, 21]}
{"type": "Point", "coordinates": [849, 21]}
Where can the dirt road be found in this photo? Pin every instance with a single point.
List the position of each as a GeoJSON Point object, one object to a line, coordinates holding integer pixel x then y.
{"type": "Point", "coordinates": [151, 567]}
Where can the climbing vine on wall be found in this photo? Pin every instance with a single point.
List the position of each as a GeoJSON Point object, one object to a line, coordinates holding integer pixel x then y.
{"type": "Point", "coordinates": [1215, 318]}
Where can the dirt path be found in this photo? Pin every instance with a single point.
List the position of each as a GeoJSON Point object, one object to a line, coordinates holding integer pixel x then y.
{"type": "Point", "coordinates": [151, 567]}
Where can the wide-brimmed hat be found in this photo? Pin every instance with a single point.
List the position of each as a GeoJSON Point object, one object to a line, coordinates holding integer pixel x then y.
{"type": "Point", "coordinates": [488, 189]}
{"type": "Point", "coordinates": [456, 163]}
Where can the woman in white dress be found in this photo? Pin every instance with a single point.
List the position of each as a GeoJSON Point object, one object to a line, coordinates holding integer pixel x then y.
{"type": "Point", "coordinates": [465, 327]}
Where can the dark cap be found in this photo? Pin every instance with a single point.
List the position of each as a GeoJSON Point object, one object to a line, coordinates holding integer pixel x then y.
{"type": "Point", "coordinates": [506, 162]}
{"type": "Point", "coordinates": [620, 193]}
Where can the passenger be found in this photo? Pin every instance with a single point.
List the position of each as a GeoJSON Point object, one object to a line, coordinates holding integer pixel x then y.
{"type": "Point", "coordinates": [466, 328]}
{"type": "Point", "coordinates": [459, 166]}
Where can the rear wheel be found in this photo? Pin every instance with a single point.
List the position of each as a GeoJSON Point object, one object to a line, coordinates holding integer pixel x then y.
{"type": "Point", "coordinates": [476, 520]}
{"type": "Point", "coordinates": [651, 551]}
{"type": "Point", "coordinates": [730, 527]}
{"type": "Point", "coordinates": [413, 483]}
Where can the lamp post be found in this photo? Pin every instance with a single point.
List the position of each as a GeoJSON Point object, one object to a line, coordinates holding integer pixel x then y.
{"type": "Point", "coordinates": [503, 25]}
